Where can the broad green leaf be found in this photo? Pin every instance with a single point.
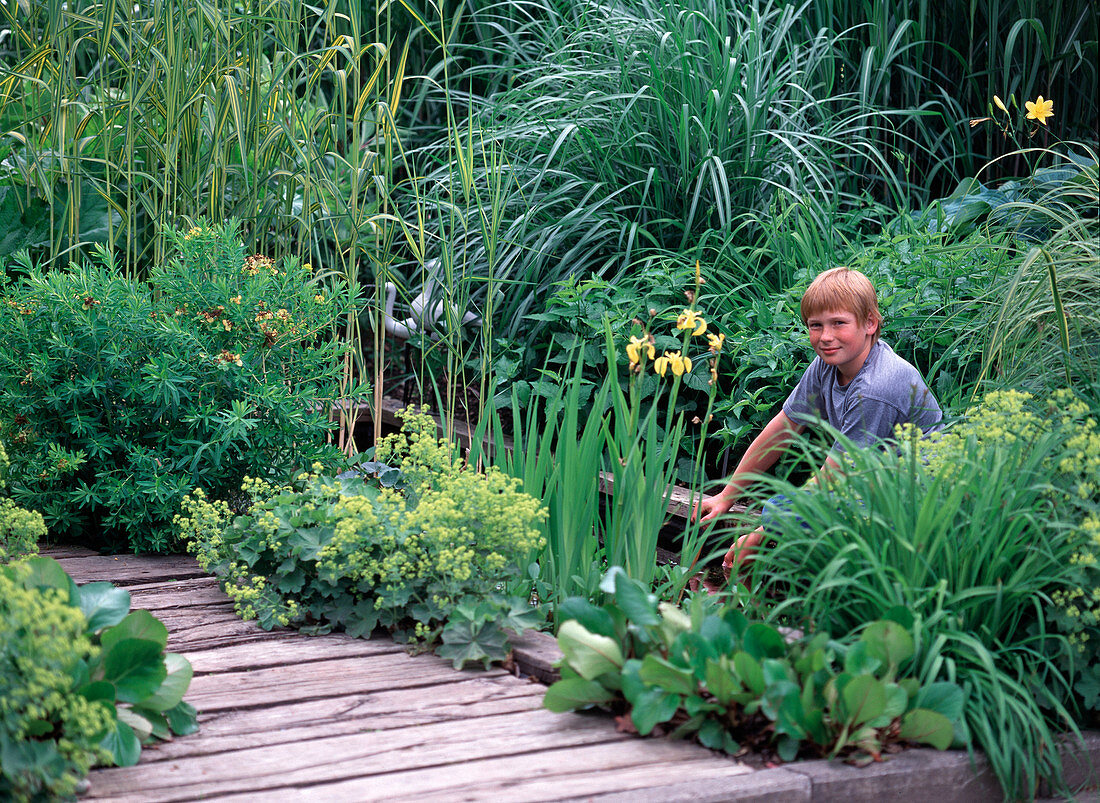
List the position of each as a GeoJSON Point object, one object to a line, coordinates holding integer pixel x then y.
{"type": "Point", "coordinates": [182, 719]}
{"type": "Point", "coordinates": [588, 653]}
{"type": "Point", "coordinates": [889, 642]}
{"type": "Point", "coordinates": [902, 615]}
{"type": "Point", "coordinates": [720, 680]}
{"type": "Point", "coordinates": [652, 708]}
{"type": "Point", "coordinates": [859, 660]}
{"type": "Point", "coordinates": [864, 699]}
{"type": "Point", "coordinates": [761, 641]}
{"type": "Point", "coordinates": [171, 691]}
{"type": "Point", "coordinates": [944, 698]}
{"type": "Point", "coordinates": [468, 641]}
{"type": "Point", "coordinates": [749, 672]}
{"type": "Point", "coordinates": [104, 605]}
{"type": "Point", "coordinates": [141, 726]}
{"type": "Point", "coordinates": [573, 693]}
{"type": "Point", "coordinates": [776, 671]}
{"type": "Point", "coordinates": [135, 667]}
{"type": "Point", "coordinates": [123, 745]}
{"type": "Point", "coordinates": [657, 671]}
{"type": "Point", "coordinates": [594, 618]}
{"type": "Point", "coordinates": [635, 600]}
{"type": "Point", "coordinates": [139, 624]}
{"type": "Point", "coordinates": [929, 727]}
{"type": "Point", "coordinates": [158, 723]}
{"type": "Point", "coordinates": [47, 573]}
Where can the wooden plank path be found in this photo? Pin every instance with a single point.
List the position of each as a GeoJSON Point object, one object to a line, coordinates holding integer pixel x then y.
{"type": "Point", "coordinates": [331, 718]}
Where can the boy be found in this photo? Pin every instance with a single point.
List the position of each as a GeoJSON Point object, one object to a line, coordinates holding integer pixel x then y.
{"type": "Point", "coordinates": [856, 383]}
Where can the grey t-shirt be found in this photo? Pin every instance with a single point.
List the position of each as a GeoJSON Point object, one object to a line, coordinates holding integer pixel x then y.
{"type": "Point", "coordinates": [886, 392]}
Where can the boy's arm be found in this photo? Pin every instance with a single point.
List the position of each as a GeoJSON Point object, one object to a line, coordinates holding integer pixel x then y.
{"type": "Point", "coordinates": [758, 458]}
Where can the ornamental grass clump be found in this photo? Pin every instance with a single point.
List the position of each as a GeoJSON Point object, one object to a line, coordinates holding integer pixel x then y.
{"type": "Point", "coordinates": [983, 533]}
{"type": "Point", "coordinates": [431, 559]}
{"type": "Point", "coordinates": [118, 396]}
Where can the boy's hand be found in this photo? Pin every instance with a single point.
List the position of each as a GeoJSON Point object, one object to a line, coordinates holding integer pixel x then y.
{"type": "Point", "coordinates": [711, 508]}
{"type": "Point", "coordinates": [740, 554]}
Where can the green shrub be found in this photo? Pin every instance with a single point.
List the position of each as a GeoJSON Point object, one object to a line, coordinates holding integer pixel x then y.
{"type": "Point", "coordinates": [117, 397]}
{"type": "Point", "coordinates": [82, 680]}
{"type": "Point", "coordinates": [978, 532]}
{"type": "Point", "coordinates": [710, 673]}
{"type": "Point", "coordinates": [430, 559]}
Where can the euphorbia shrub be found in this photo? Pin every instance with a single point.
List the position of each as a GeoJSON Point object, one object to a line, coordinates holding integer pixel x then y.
{"type": "Point", "coordinates": [118, 396]}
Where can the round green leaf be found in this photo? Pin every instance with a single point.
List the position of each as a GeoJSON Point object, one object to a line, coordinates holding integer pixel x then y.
{"type": "Point", "coordinates": [761, 641]}
{"type": "Point", "coordinates": [123, 745]}
{"type": "Point", "coordinates": [135, 667]}
{"type": "Point", "coordinates": [573, 693]}
{"type": "Point", "coordinates": [103, 605]}
{"type": "Point", "coordinates": [889, 642]}
{"type": "Point", "coordinates": [138, 624]}
{"type": "Point", "coordinates": [864, 699]}
{"type": "Point", "coordinates": [929, 727]}
{"type": "Point", "coordinates": [175, 685]}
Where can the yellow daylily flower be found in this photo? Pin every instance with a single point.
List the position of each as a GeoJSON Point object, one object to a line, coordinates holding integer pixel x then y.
{"type": "Point", "coordinates": [638, 350]}
{"type": "Point", "coordinates": [716, 342]}
{"type": "Point", "coordinates": [690, 319]}
{"type": "Point", "coordinates": [1039, 110]}
{"type": "Point", "coordinates": [672, 359]}
{"type": "Point", "coordinates": [1000, 104]}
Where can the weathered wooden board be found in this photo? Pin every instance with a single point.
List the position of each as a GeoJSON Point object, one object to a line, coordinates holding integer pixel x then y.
{"type": "Point", "coordinates": [281, 684]}
{"type": "Point", "coordinates": [177, 594]}
{"type": "Point", "coordinates": [566, 774]}
{"type": "Point", "coordinates": [340, 757]}
{"type": "Point", "coordinates": [288, 649]}
{"type": "Point", "coordinates": [464, 701]}
{"type": "Point", "coordinates": [128, 570]}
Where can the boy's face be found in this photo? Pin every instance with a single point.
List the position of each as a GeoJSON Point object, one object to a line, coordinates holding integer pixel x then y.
{"type": "Point", "coordinates": [841, 340]}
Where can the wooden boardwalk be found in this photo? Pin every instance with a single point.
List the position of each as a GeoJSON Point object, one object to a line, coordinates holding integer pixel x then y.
{"type": "Point", "coordinates": [331, 718]}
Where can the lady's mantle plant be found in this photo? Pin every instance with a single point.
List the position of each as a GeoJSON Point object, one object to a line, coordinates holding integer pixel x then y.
{"type": "Point", "coordinates": [20, 530]}
{"type": "Point", "coordinates": [429, 559]}
{"type": "Point", "coordinates": [118, 396]}
{"type": "Point", "coordinates": [710, 673]}
{"type": "Point", "coordinates": [83, 681]}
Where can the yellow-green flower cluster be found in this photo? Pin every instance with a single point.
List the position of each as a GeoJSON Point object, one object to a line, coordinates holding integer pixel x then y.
{"type": "Point", "coordinates": [20, 531]}
{"type": "Point", "coordinates": [42, 642]}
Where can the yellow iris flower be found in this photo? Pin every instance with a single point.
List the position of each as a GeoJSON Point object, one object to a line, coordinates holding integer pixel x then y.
{"type": "Point", "coordinates": [1039, 110]}
{"type": "Point", "coordinates": [639, 350]}
{"type": "Point", "coordinates": [672, 359]}
{"type": "Point", "coordinates": [716, 342]}
{"type": "Point", "coordinates": [690, 319]}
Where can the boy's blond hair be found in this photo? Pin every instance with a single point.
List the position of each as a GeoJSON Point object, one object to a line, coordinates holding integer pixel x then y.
{"type": "Point", "coordinates": [842, 290]}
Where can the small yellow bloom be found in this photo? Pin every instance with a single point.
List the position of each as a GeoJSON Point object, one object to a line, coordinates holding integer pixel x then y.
{"type": "Point", "coordinates": [690, 319]}
{"type": "Point", "coordinates": [716, 342]}
{"type": "Point", "coordinates": [672, 359]}
{"type": "Point", "coordinates": [1039, 110]}
{"type": "Point", "coordinates": [319, 298]}
{"type": "Point", "coordinates": [1000, 104]}
{"type": "Point", "coordinates": [639, 350]}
